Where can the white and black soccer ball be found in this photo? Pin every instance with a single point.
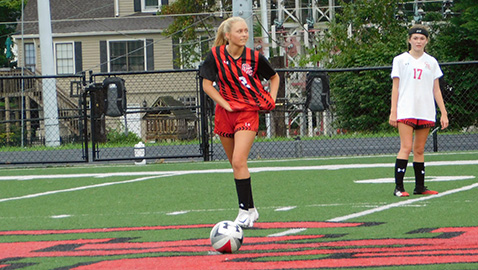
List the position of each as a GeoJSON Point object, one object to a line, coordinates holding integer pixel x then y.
{"type": "Point", "coordinates": [226, 237]}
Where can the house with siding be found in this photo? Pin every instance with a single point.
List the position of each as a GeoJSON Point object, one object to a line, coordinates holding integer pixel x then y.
{"type": "Point", "coordinates": [102, 36]}
{"type": "Point", "coordinates": [99, 36]}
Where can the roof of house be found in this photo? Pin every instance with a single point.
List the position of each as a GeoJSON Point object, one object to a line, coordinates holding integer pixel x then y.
{"type": "Point", "coordinates": [90, 16]}
{"type": "Point", "coordinates": [167, 102]}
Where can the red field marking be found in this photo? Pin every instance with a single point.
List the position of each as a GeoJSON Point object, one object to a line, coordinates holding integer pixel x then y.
{"type": "Point", "coordinates": [263, 225]}
{"type": "Point", "coordinates": [449, 245]}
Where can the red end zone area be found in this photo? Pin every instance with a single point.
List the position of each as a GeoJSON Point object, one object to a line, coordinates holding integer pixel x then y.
{"type": "Point", "coordinates": [452, 245]}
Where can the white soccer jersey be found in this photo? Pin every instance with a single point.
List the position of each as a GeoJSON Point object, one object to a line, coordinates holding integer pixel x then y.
{"type": "Point", "coordinates": [415, 89]}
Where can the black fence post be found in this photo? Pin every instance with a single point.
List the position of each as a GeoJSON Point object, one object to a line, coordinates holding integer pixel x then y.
{"type": "Point", "coordinates": [204, 123]}
{"type": "Point", "coordinates": [434, 134]}
{"type": "Point", "coordinates": [97, 120]}
{"type": "Point", "coordinates": [92, 122]}
{"type": "Point", "coordinates": [84, 113]}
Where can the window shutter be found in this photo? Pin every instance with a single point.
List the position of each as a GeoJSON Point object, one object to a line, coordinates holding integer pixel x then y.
{"type": "Point", "coordinates": [103, 56]}
{"type": "Point", "coordinates": [149, 54]}
{"type": "Point", "coordinates": [164, 2]}
{"type": "Point", "coordinates": [137, 5]}
{"type": "Point", "coordinates": [176, 53]}
{"type": "Point", "coordinates": [78, 57]}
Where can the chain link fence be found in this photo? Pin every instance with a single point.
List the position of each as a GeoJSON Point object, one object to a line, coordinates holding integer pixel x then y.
{"type": "Point", "coordinates": [356, 119]}
{"type": "Point", "coordinates": [163, 115]}
{"type": "Point", "coordinates": [40, 121]}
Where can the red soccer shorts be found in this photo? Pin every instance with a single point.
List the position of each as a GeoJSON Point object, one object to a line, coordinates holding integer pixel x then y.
{"type": "Point", "coordinates": [417, 123]}
{"type": "Point", "coordinates": [227, 123]}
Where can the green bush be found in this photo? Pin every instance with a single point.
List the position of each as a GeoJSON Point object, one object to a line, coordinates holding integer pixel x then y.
{"type": "Point", "coordinates": [120, 137]}
{"type": "Point", "coordinates": [12, 138]}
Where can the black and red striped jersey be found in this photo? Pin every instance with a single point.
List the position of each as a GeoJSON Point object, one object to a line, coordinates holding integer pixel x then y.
{"type": "Point", "coordinates": [239, 79]}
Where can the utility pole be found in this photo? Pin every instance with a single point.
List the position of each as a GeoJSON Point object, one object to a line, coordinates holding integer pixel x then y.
{"type": "Point", "coordinates": [265, 29]}
{"type": "Point", "coordinates": [243, 9]}
{"type": "Point", "coordinates": [50, 103]}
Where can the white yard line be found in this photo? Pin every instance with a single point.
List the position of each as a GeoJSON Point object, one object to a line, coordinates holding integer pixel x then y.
{"type": "Point", "coordinates": [252, 170]}
{"type": "Point", "coordinates": [93, 175]}
{"type": "Point", "coordinates": [84, 187]}
{"type": "Point", "coordinates": [288, 232]}
{"type": "Point", "coordinates": [402, 203]}
{"type": "Point", "coordinates": [160, 174]}
{"type": "Point", "coordinates": [411, 179]}
{"type": "Point", "coordinates": [287, 208]}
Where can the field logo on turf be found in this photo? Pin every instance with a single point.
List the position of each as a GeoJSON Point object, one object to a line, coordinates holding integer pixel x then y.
{"type": "Point", "coordinates": [424, 247]}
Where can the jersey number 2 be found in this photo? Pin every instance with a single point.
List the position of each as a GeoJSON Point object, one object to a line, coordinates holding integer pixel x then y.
{"type": "Point", "coordinates": [417, 73]}
{"type": "Point", "coordinates": [244, 82]}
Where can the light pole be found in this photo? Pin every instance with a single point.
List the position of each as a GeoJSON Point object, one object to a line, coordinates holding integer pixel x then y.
{"type": "Point", "coordinates": [418, 9]}
{"type": "Point", "coordinates": [446, 8]}
{"type": "Point", "coordinates": [243, 9]}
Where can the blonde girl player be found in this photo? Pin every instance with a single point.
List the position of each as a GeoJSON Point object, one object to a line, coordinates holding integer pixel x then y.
{"type": "Point", "coordinates": [414, 93]}
{"type": "Point", "coordinates": [236, 70]}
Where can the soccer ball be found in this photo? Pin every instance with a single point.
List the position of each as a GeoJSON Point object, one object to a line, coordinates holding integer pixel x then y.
{"type": "Point", "coordinates": [226, 237]}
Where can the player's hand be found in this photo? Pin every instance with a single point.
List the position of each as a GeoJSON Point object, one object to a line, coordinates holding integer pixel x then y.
{"type": "Point", "coordinates": [444, 121]}
{"type": "Point", "coordinates": [227, 107]}
{"type": "Point", "coordinates": [393, 120]}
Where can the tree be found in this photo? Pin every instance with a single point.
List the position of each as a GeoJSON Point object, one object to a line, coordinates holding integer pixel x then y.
{"type": "Point", "coordinates": [197, 16]}
{"type": "Point", "coordinates": [10, 11]}
{"type": "Point", "coordinates": [365, 33]}
{"type": "Point", "coordinates": [457, 40]}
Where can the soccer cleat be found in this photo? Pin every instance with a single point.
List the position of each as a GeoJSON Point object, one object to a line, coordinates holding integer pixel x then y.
{"type": "Point", "coordinates": [246, 218]}
{"type": "Point", "coordinates": [254, 216]}
{"type": "Point", "coordinates": [242, 218]}
{"type": "Point", "coordinates": [424, 191]}
{"type": "Point", "coordinates": [400, 192]}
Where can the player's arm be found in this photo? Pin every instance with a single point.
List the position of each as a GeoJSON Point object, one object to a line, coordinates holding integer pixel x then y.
{"type": "Point", "coordinates": [393, 108]}
{"type": "Point", "coordinates": [266, 70]}
{"type": "Point", "coordinates": [214, 94]}
{"type": "Point", "coordinates": [274, 82]}
{"type": "Point", "coordinates": [440, 103]}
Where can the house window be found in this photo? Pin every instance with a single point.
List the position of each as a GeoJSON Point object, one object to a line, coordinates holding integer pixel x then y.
{"type": "Point", "coordinates": [127, 55]}
{"type": "Point", "coordinates": [30, 57]}
{"type": "Point", "coordinates": [65, 60]}
{"type": "Point", "coordinates": [151, 5]}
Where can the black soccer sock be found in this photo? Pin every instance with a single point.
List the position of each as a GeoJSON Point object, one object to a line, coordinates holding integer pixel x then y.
{"type": "Point", "coordinates": [419, 168]}
{"type": "Point", "coordinates": [400, 169]}
{"type": "Point", "coordinates": [244, 192]}
{"type": "Point", "coordinates": [251, 199]}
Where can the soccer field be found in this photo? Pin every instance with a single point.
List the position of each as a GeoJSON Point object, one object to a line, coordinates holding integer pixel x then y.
{"type": "Point", "coordinates": [318, 213]}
